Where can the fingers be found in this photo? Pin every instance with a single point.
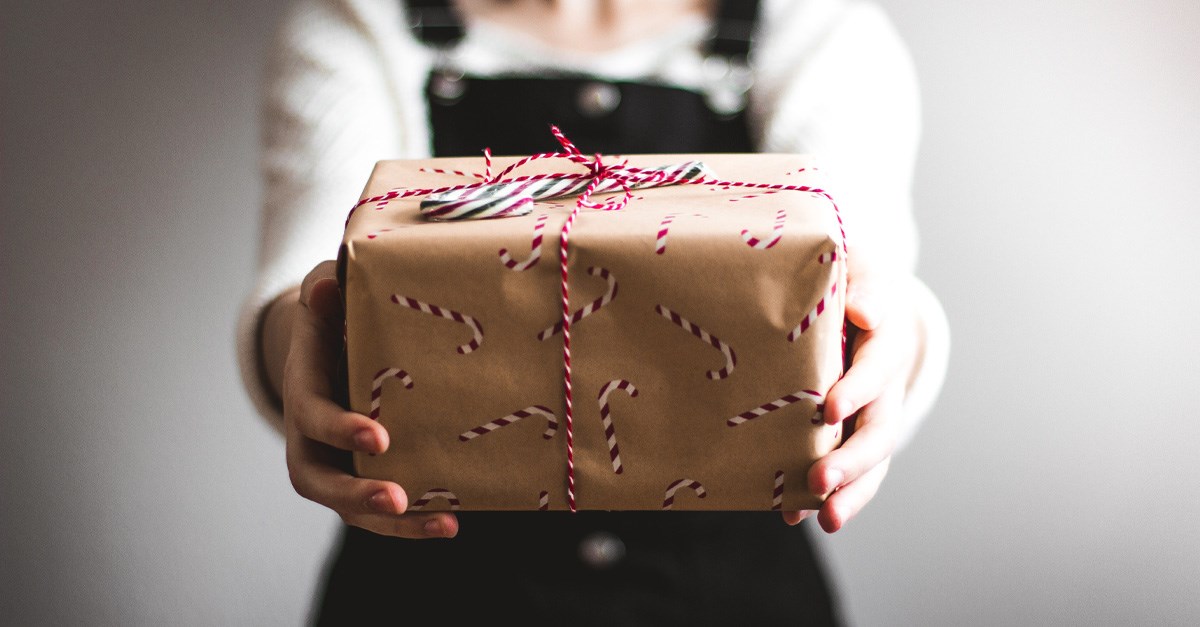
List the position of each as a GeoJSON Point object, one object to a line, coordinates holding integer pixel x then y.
{"type": "Point", "coordinates": [316, 474]}
{"type": "Point", "coordinates": [882, 357]}
{"type": "Point", "coordinates": [321, 274]}
{"type": "Point", "coordinates": [849, 500]}
{"type": "Point", "coordinates": [378, 506]}
{"type": "Point", "coordinates": [873, 441]}
{"type": "Point", "coordinates": [795, 518]}
{"type": "Point", "coordinates": [872, 290]}
{"type": "Point", "coordinates": [322, 420]}
{"type": "Point", "coordinates": [307, 393]}
{"type": "Point", "coordinates": [850, 475]}
{"type": "Point", "coordinates": [312, 354]}
{"type": "Point", "coordinates": [320, 432]}
{"type": "Point", "coordinates": [414, 526]}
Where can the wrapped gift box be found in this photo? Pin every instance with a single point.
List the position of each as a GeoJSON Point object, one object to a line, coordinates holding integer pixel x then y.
{"type": "Point", "coordinates": [709, 327]}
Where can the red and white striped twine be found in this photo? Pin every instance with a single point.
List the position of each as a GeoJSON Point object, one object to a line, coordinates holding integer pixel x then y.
{"type": "Point", "coordinates": [779, 403]}
{"type": "Point", "coordinates": [543, 501]}
{"type": "Point", "coordinates": [435, 493]}
{"type": "Point", "coordinates": [777, 494]}
{"type": "Point", "coordinates": [448, 314]}
{"type": "Point", "coordinates": [377, 387]}
{"type": "Point", "coordinates": [669, 497]}
{"type": "Point", "coordinates": [535, 248]}
{"type": "Point", "coordinates": [610, 434]}
{"type": "Point", "coordinates": [705, 336]}
{"type": "Point", "coordinates": [534, 410]}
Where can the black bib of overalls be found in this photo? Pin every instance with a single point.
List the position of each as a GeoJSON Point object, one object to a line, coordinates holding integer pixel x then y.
{"type": "Point", "coordinates": [588, 568]}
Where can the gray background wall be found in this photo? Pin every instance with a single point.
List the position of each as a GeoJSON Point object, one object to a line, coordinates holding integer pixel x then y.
{"type": "Point", "coordinates": [1056, 482]}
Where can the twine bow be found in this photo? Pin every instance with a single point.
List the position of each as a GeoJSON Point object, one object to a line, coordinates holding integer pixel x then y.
{"type": "Point", "coordinates": [498, 196]}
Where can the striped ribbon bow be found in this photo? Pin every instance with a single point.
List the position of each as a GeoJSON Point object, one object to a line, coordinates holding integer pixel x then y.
{"type": "Point", "coordinates": [499, 195]}
{"type": "Point", "coordinates": [515, 197]}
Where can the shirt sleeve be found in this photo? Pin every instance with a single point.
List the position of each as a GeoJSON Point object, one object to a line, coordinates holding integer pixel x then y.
{"type": "Point", "coordinates": [833, 79]}
{"type": "Point", "coordinates": [328, 114]}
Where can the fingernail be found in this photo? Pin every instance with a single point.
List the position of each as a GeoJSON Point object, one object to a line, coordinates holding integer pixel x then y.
{"type": "Point", "coordinates": [364, 440]}
{"type": "Point", "coordinates": [381, 501]}
{"type": "Point", "coordinates": [433, 528]}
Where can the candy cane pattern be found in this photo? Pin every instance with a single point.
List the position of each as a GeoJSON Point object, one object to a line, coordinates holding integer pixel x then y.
{"type": "Point", "coordinates": [436, 493]}
{"type": "Point", "coordinates": [779, 403]}
{"type": "Point", "coordinates": [749, 196]}
{"type": "Point", "coordinates": [664, 227]}
{"type": "Point", "coordinates": [669, 497]}
{"type": "Point", "coordinates": [691, 327]}
{"type": "Point", "coordinates": [610, 434]}
{"type": "Point", "coordinates": [551, 420]}
{"type": "Point", "coordinates": [454, 172]}
{"type": "Point", "coordinates": [828, 257]}
{"type": "Point", "coordinates": [588, 309]}
{"type": "Point", "coordinates": [543, 501]}
{"type": "Point", "coordinates": [377, 387]}
{"type": "Point", "coordinates": [776, 233]}
{"type": "Point", "coordinates": [535, 253]}
{"type": "Point", "coordinates": [777, 495]}
{"type": "Point", "coordinates": [448, 314]}
{"type": "Point", "coordinates": [811, 316]}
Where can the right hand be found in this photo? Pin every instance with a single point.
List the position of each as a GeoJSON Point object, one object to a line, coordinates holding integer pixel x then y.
{"type": "Point", "coordinates": [320, 433]}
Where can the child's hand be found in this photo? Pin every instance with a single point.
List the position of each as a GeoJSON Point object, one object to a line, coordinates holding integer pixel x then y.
{"type": "Point", "coordinates": [319, 432]}
{"type": "Point", "coordinates": [885, 350]}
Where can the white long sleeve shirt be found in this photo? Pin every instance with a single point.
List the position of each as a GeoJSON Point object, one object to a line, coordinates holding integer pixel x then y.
{"type": "Point", "coordinates": [345, 88]}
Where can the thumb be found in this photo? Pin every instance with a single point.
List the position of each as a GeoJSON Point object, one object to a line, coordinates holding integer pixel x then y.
{"type": "Point", "coordinates": [319, 291]}
{"type": "Point", "coordinates": [864, 303]}
{"type": "Point", "coordinates": [870, 291]}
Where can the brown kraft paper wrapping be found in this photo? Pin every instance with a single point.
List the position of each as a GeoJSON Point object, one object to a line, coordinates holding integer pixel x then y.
{"type": "Point", "coordinates": [676, 427]}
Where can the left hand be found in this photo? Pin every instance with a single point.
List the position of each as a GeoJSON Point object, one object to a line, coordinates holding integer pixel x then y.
{"type": "Point", "coordinates": [884, 353]}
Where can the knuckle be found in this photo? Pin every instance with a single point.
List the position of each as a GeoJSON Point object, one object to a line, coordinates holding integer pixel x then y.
{"type": "Point", "coordinates": [297, 414]}
{"type": "Point", "coordinates": [314, 423]}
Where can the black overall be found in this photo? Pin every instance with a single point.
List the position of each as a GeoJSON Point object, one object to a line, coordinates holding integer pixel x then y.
{"type": "Point", "coordinates": [588, 568]}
